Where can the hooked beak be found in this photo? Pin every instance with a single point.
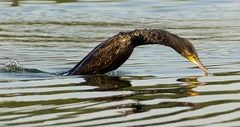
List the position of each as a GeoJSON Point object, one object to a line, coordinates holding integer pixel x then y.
{"type": "Point", "coordinates": [200, 65]}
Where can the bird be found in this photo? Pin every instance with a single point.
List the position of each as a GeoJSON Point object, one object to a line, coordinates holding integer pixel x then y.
{"type": "Point", "coordinates": [112, 53]}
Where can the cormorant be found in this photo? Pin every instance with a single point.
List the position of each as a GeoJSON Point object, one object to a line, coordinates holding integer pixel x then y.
{"type": "Point", "coordinates": [113, 52]}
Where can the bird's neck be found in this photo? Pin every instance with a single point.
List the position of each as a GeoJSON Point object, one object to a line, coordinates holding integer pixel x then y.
{"type": "Point", "coordinates": [156, 36]}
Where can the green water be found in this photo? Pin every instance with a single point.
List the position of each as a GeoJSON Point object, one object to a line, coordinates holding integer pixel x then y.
{"type": "Point", "coordinates": [155, 87]}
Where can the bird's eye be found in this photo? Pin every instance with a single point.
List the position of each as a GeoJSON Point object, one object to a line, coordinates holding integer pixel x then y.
{"type": "Point", "coordinates": [194, 57]}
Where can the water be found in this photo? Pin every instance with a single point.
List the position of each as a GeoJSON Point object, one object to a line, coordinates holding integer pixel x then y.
{"type": "Point", "coordinates": [155, 87]}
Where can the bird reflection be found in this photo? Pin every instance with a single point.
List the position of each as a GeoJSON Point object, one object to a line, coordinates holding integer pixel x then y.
{"type": "Point", "coordinates": [104, 82]}
{"type": "Point", "coordinates": [142, 93]}
{"type": "Point", "coordinates": [191, 81]}
{"type": "Point", "coordinates": [15, 3]}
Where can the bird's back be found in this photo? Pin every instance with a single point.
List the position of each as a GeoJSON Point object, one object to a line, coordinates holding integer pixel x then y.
{"type": "Point", "coordinates": [107, 56]}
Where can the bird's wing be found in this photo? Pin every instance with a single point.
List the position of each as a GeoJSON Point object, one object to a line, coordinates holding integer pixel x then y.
{"type": "Point", "coordinates": [107, 56]}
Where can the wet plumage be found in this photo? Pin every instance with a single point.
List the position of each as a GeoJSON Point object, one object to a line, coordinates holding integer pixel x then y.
{"type": "Point", "coordinates": [113, 52]}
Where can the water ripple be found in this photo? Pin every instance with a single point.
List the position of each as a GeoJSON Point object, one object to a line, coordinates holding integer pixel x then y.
{"type": "Point", "coordinates": [155, 87]}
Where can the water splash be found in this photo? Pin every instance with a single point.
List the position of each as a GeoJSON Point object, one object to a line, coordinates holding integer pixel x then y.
{"type": "Point", "coordinates": [12, 66]}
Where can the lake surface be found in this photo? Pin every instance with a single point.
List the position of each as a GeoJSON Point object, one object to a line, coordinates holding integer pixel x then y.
{"type": "Point", "coordinates": [155, 87]}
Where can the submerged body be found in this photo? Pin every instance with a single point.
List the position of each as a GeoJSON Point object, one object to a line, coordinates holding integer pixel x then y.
{"type": "Point", "coordinates": [113, 52]}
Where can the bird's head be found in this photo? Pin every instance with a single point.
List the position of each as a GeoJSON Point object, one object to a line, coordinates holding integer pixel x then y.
{"type": "Point", "coordinates": [187, 50]}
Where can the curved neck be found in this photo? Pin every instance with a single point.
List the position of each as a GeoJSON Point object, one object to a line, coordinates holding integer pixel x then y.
{"type": "Point", "coordinates": [156, 36]}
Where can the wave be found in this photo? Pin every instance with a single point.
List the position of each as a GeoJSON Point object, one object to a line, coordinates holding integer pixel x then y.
{"type": "Point", "coordinates": [14, 66]}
